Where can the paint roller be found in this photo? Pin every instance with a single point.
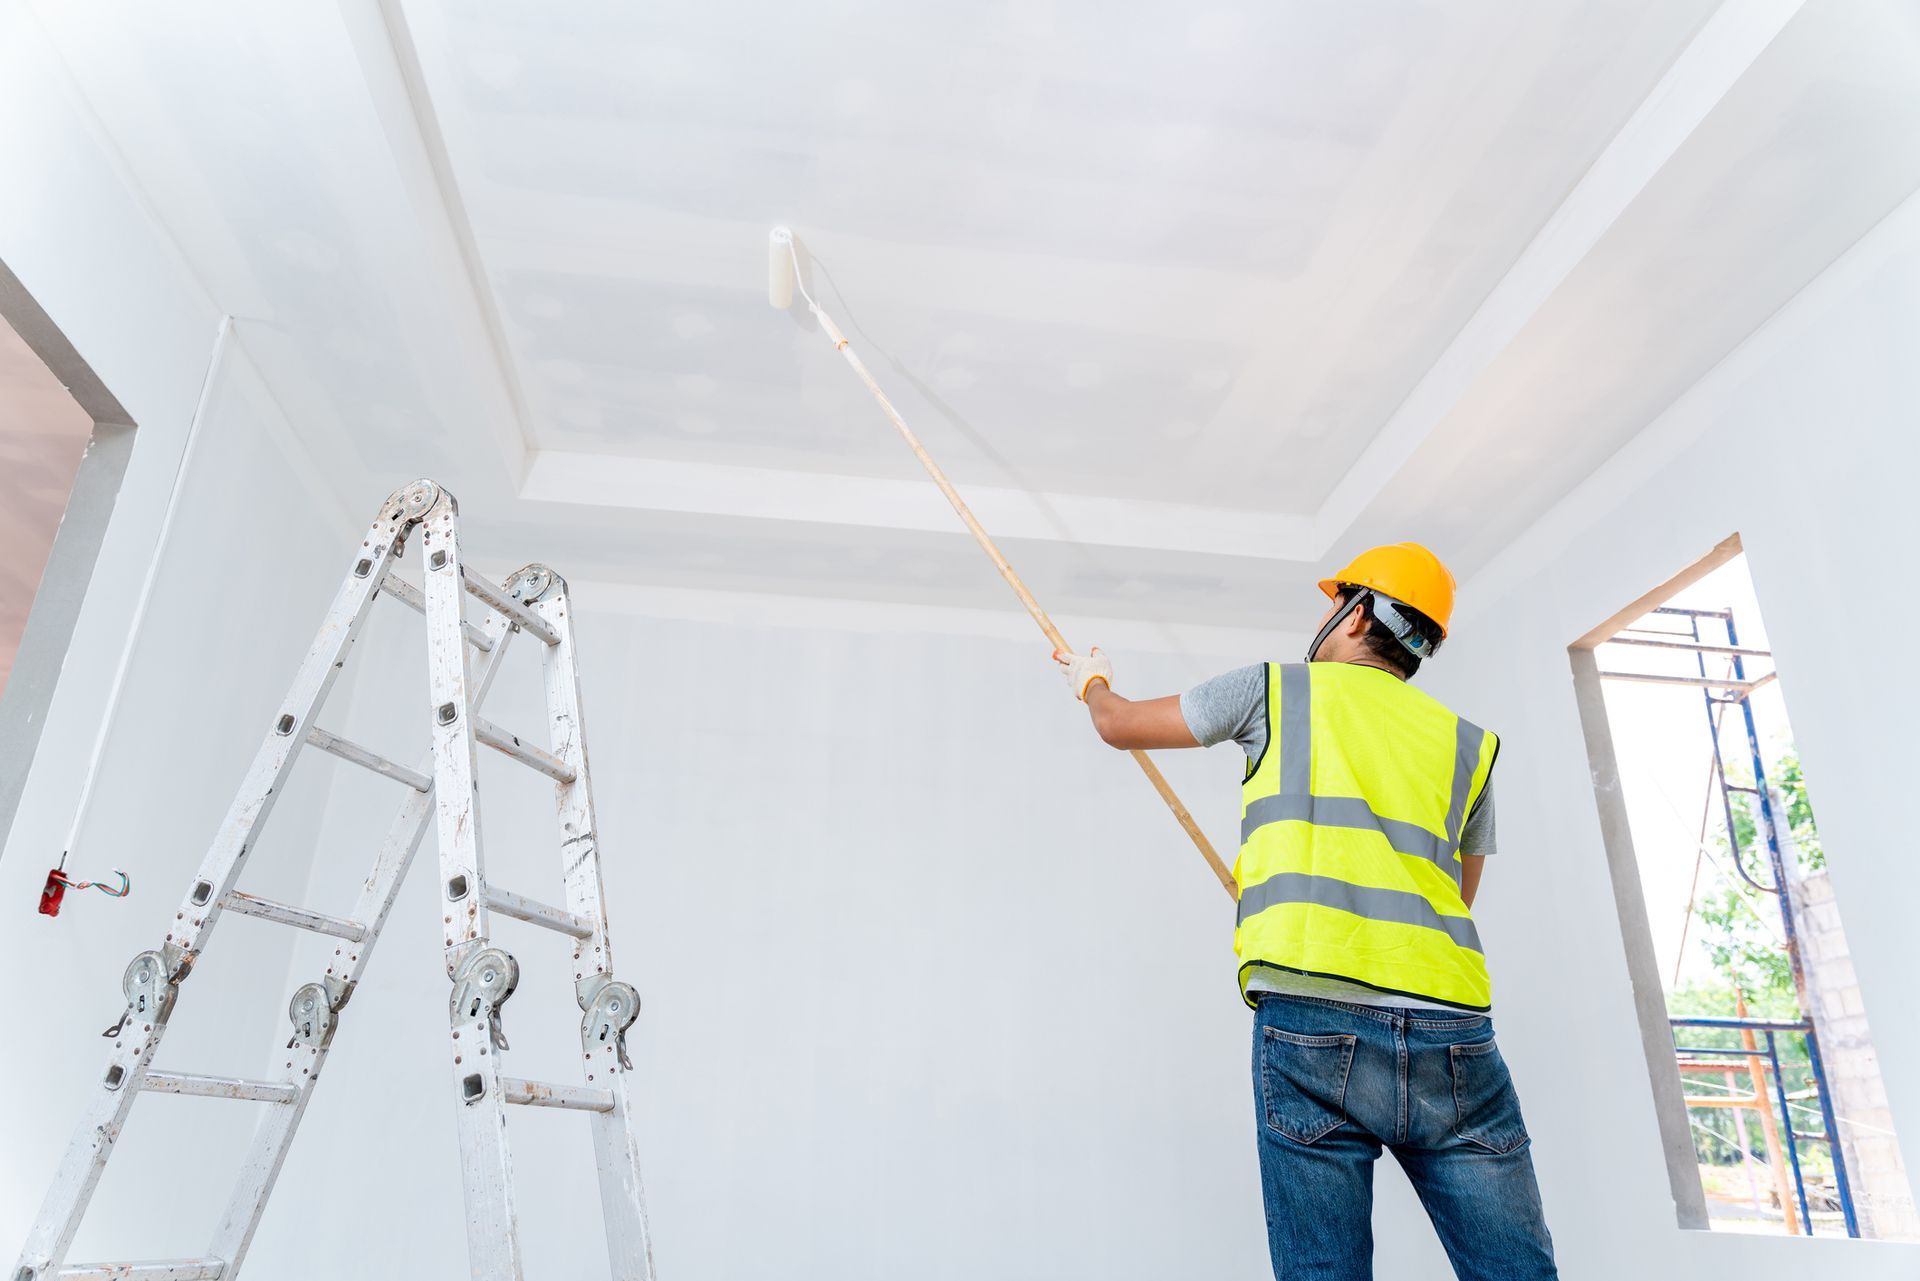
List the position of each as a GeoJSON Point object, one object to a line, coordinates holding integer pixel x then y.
{"type": "Point", "coordinates": [783, 277]}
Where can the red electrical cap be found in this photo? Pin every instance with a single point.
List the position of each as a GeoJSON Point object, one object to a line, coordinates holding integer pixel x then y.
{"type": "Point", "coordinates": [54, 891]}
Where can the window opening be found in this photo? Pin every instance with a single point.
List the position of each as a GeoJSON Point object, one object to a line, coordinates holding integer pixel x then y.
{"type": "Point", "coordinates": [1778, 1080]}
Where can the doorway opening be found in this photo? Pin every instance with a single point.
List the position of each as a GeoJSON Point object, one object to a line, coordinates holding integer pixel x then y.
{"type": "Point", "coordinates": [1762, 1058]}
{"type": "Point", "coordinates": [64, 446]}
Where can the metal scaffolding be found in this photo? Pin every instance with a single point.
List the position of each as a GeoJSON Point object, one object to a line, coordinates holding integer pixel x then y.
{"type": "Point", "coordinates": [1720, 694]}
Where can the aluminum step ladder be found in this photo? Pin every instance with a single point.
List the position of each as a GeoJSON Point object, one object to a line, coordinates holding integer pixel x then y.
{"type": "Point", "coordinates": [462, 659]}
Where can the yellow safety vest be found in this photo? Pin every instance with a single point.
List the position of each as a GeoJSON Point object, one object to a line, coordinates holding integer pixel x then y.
{"type": "Point", "coordinates": [1349, 862]}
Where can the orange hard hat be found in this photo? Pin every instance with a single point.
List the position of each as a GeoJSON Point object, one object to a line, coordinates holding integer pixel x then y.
{"type": "Point", "coordinates": [1407, 572]}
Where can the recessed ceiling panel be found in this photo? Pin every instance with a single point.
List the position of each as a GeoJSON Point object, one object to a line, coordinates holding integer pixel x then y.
{"type": "Point", "coordinates": [1193, 255]}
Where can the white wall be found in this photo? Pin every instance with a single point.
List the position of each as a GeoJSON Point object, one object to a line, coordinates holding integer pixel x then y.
{"type": "Point", "coordinates": [233, 607]}
{"type": "Point", "coordinates": [1803, 441]}
{"type": "Point", "coordinates": [933, 985]}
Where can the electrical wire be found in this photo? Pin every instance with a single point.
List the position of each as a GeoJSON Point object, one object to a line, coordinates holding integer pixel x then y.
{"type": "Point", "coordinates": [126, 883]}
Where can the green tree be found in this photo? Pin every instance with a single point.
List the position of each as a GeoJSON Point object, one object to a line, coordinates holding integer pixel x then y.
{"type": "Point", "coordinates": [1739, 927]}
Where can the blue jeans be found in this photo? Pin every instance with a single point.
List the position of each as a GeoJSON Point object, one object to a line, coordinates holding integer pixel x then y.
{"type": "Point", "coordinates": [1334, 1083]}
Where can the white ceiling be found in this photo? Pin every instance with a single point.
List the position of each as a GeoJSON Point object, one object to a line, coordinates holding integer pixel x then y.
{"type": "Point", "coordinates": [1196, 298]}
{"type": "Point", "coordinates": [1118, 253]}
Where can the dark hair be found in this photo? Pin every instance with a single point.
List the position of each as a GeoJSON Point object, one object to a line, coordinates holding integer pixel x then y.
{"type": "Point", "coordinates": [1383, 645]}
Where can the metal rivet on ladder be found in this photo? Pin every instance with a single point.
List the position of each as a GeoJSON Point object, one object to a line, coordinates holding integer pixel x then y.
{"type": "Point", "coordinates": [202, 891]}
{"type": "Point", "coordinates": [456, 889]}
{"type": "Point", "coordinates": [115, 1075]}
{"type": "Point", "coordinates": [439, 559]}
{"type": "Point", "coordinates": [448, 713]}
{"type": "Point", "coordinates": [285, 725]}
{"type": "Point", "coordinates": [364, 568]}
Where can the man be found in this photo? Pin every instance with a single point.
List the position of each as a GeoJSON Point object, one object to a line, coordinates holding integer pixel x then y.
{"type": "Point", "coordinates": [1367, 815]}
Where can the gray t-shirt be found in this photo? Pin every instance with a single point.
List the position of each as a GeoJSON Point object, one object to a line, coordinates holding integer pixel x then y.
{"type": "Point", "coordinates": [1234, 706]}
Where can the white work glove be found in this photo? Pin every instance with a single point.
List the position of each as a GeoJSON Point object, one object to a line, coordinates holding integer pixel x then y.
{"type": "Point", "coordinates": [1082, 670]}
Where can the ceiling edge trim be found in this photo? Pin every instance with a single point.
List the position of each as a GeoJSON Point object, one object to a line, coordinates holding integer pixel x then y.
{"type": "Point", "coordinates": [1712, 63]}
{"type": "Point", "coordinates": [650, 484]}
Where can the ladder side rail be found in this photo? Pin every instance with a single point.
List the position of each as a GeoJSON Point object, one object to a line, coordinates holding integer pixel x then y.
{"type": "Point", "coordinates": [140, 1031]}
{"type": "Point", "coordinates": [579, 839]}
{"type": "Point", "coordinates": [102, 1118]}
{"type": "Point", "coordinates": [606, 1001]}
{"type": "Point", "coordinates": [483, 975]}
{"type": "Point", "coordinates": [266, 778]}
{"type": "Point", "coordinates": [273, 1137]}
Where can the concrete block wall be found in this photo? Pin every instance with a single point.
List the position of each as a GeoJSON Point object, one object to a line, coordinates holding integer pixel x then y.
{"type": "Point", "coordinates": [1882, 1193]}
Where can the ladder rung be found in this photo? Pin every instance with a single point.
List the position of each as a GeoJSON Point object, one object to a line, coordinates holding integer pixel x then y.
{"type": "Point", "coordinates": [540, 1094]}
{"type": "Point", "coordinates": [526, 753]}
{"type": "Point", "coordinates": [349, 751]}
{"type": "Point", "coordinates": [287, 914]}
{"type": "Point", "coordinates": [534, 912]}
{"type": "Point", "coordinates": [500, 602]}
{"type": "Point", "coordinates": [219, 1087]}
{"type": "Point", "coordinates": [409, 595]}
{"type": "Point", "coordinates": [156, 1270]}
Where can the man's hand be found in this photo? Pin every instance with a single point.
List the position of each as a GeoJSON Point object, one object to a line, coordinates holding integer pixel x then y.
{"type": "Point", "coordinates": [1121, 722]}
{"type": "Point", "coordinates": [1082, 670]}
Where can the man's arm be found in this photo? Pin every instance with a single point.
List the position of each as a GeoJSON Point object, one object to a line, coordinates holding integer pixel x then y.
{"type": "Point", "coordinates": [1137, 725]}
{"type": "Point", "coordinates": [1470, 868]}
{"type": "Point", "coordinates": [1122, 722]}
{"type": "Point", "coordinates": [1477, 840]}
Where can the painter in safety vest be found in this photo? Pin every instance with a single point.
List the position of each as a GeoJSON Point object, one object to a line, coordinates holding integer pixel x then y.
{"type": "Point", "coordinates": [1366, 815]}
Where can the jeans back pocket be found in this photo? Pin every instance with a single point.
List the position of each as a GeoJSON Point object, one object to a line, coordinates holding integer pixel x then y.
{"type": "Point", "coordinates": [1303, 1082]}
{"type": "Point", "coordinates": [1486, 1109]}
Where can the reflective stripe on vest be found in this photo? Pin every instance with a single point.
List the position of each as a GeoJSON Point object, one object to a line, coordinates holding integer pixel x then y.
{"type": "Point", "coordinates": [1349, 861]}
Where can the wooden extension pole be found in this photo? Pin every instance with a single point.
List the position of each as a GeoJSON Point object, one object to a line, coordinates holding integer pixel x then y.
{"type": "Point", "coordinates": [1147, 767]}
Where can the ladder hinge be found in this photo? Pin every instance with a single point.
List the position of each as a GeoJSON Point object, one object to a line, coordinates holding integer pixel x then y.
{"type": "Point", "coordinates": [530, 583]}
{"type": "Point", "coordinates": [481, 985]}
{"type": "Point", "coordinates": [151, 983]}
{"type": "Point", "coordinates": [611, 1007]}
{"type": "Point", "coordinates": [410, 503]}
{"type": "Point", "coordinates": [312, 1010]}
